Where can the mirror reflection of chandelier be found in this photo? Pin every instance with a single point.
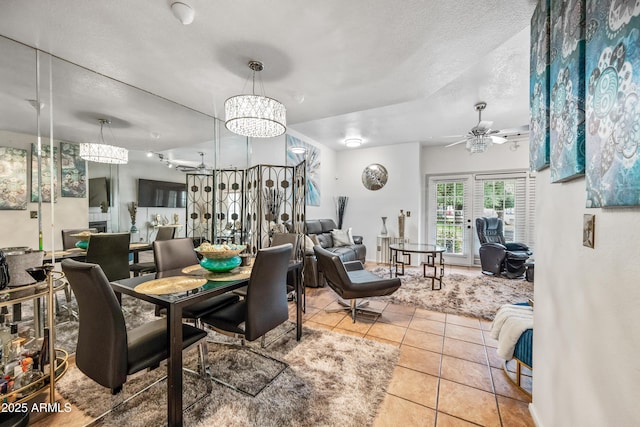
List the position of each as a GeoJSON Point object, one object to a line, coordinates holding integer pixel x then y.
{"type": "Point", "coordinates": [479, 143]}
{"type": "Point", "coordinates": [254, 115]}
{"type": "Point", "coordinates": [102, 152]}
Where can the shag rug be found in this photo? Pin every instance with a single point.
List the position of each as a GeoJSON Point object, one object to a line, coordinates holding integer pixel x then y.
{"type": "Point", "coordinates": [476, 296]}
{"type": "Point", "coordinates": [332, 379]}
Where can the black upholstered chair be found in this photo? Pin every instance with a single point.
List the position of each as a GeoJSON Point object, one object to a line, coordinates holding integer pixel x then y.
{"type": "Point", "coordinates": [107, 352]}
{"type": "Point", "coordinates": [69, 242]}
{"type": "Point", "coordinates": [351, 281]}
{"type": "Point", "coordinates": [498, 257]}
{"type": "Point", "coordinates": [265, 305]}
{"type": "Point", "coordinates": [164, 233]}
{"type": "Point", "coordinates": [111, 252]}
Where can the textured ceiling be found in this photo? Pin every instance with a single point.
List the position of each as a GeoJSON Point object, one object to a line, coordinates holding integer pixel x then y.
{"type": "Point", "coordinates": [386, 71]}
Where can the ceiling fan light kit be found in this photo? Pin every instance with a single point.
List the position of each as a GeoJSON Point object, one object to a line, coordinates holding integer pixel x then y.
{"type": "Point", "coordinates": [253, 115]}
{"type": "Point", "coordinates": [183, 12]}
{"type": "Point", "coordinates": [102, 152]}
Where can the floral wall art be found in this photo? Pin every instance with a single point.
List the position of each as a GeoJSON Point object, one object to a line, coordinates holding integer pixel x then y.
{"type": "Point", "coordinates": [46, 173]}
{"type": "Point", "coordinates": [13, 178]}
{"type": "Point", "coordinates": [539, 88]}
{"type": "Point", "coordinates": [613, 103]}
{"type": "Point", "coordinates": [312, 156]}
{"type": "Point", "coordinates": [566, 104]}
{"type": "Point", "coordinates": [74, 171]}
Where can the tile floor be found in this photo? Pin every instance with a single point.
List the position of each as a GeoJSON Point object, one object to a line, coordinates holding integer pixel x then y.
{"type": "Point", "coordinates": [448, 373]}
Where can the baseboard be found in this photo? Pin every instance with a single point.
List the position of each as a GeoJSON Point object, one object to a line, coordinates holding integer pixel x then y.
{"type": "Point", "coordinates": [534, 415]}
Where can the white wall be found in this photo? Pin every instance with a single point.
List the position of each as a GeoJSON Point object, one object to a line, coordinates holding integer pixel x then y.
{"type": "Point", "coordinates": [587, 306]}
{"type": "Point", "coordinates": [21, 230]}
{"type": "Point", "coordinates": [366, 207]}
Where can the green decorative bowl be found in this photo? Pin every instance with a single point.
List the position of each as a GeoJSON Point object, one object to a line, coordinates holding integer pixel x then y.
{"type": "Point", "coordinates": [82, 244]}
{"type": "Point", "coordinates": [220, 258]}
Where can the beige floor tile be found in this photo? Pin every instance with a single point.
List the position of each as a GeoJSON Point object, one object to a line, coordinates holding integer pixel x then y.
{"type": "Point", "coordinates": [423, 340]}
{"type": "Point", "coordinates": [362, 324]}
{"type": "Point", "coordinates": [420, 360]}
{"type": "Point", "coordinates": [431, 315]}
{"type": "Point", "coordinates": [311, 311]}
{"type": "Point", "coordinates": [402, 309]}
{"type": "Point", "coordinates": [444, 420]}
{"type": "Point", "coordinates": [426, 325]}
{"type": "Point", "coordinates": [387, 331]}
{"type": "Point", "coordinates": [494, 360]}
{"type": "Point", "coordinates": [488, 341]}
{"type": "Point", "coordinates": [414, 386]}
{"type": "Point", "coordinates": [468, 403]}
{"type": "Point", "coordinates": [315, 325]}
{"type": "Point", "coordinates": [463, 333]}
{"type": "Point", "coordinates": [469, 322]}
{"type": "Point", "coordinates": [514, 413]}
{"type": "Point", "coordinates": [327, 318]}
{"type": "Point", "coordinates": [347, 332]}
{"type": "Point", "coordinates": [398, 319]}
{"type": "Point", "coordinates": [465, 350]}
{"type": "Point", "coordinates": [395, 411]}
{"type": "Point", "coordinates": [465, 372]}
{"type": "Point", "coordinates": [485, 325]}
{"type": "Point", "coordinates": [382, 340]}
{"type": "Point", "coordinates": [504, 387]}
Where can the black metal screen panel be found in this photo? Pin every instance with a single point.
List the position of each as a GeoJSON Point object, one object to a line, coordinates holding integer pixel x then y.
{"type": "Point", "coordinates": [229, 206]}
{"type": "Point", "coordinates": [200, 196]}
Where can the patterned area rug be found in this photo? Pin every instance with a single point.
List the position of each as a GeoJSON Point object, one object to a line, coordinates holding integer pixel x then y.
{"type": "Point", "coordinates": [476, 296]}
{"type": "Point", "coordinates": [325, 370]}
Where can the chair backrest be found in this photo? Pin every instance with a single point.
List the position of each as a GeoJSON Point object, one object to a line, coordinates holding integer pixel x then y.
{"type": "Point", "coordinates": [283, 238]}
{"type": "Point", "coordinates": [173, 254]}
{"type": "Point", "coordinates": [19, 262]}
{"type": "Point", "coordinates": [165, 233]}
{"type": "Point", "coordinates": [333, 269]}
{"type": "Point", "coordinates": [102, 337]}
{"type": "Point", "coordinates": [111, 252]}
{"type": "Point", "coordinates": [266, 300]}
{"type": "Point", "coordinates": [490, 230]}
{"type": "Point", "coordinates": [69, 242]}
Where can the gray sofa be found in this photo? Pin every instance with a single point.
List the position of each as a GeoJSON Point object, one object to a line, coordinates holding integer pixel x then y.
{"type": "Point", "coordinates": [319, 230]}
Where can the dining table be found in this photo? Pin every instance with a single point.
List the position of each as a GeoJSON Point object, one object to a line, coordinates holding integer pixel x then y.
{"type": "Point", "coordinates": [80, 254]}
{"type": "Point", "coordinates": [141, 287]}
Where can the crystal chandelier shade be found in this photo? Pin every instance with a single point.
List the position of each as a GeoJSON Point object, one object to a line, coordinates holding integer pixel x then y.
{"type": "Point", "coordinates": [479, 143]}
{"type": "Point", "coordinates": [254, 115]}
{"type": "Point", "coordinates": [103, 153]}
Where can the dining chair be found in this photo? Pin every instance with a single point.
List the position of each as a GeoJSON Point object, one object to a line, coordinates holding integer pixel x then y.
{"type": "Point", "coordinates": [111, 252]}
{"type": "Point", "coordinates": [164, 233]}
{"type": "Point", "coordinates": [265, 306]}
{"type": "Point", "coordinates": [68, 241]}
{"type": "Point", "coordinates": [108, 352]}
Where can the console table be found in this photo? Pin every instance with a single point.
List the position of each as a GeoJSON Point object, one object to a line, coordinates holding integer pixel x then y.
{"type": "Point", "coordinates": [434, 260]}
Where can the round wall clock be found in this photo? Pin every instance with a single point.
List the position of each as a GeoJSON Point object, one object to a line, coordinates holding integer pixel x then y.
{"type": "Point", "coordinates": [374, 176]}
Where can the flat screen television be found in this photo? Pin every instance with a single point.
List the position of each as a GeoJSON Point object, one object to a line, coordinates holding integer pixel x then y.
{"type": "Point", "coordinates": [161, 194]}
{"type": "Point", "coordinates": [98, 191]}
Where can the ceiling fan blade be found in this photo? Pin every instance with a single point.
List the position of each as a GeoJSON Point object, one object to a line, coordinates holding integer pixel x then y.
{"type": "Point", "coordinates": [498, 139]}
{"type": "Point", "coordinates": [519, 129]}
{"type": "Point", "coordinates": [456, 143]}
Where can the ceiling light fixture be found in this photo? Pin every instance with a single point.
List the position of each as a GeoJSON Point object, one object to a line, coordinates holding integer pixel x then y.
{"type": "Point", "coordinates": [353, 142]}
{"type": "Point", "coordinates": [183, 12]}
{"type": "Point", "coordinates": [149, 153]}
{"type": "Point", "coordinates": [104, 153]}
{"type": "Point", "coordinates": [254, 115]}
{"type": "Point", "coordinates": [479, 143]}
{"type": "Point", "coordinates": [298, 150]}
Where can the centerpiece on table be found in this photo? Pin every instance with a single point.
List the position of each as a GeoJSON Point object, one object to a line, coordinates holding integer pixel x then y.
{"type": "Point", "coordinates": [220, 258]}
{"type": "Point", "coordinates": [83, 239]}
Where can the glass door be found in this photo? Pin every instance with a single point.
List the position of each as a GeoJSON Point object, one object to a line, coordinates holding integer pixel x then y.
{"type": "Point", "coordinates": [450, 217]}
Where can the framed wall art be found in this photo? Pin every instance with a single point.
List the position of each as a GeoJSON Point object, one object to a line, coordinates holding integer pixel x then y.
{"type": "Point", "coordinates": [46, 173]}
{"type": "Point", "coordinates": [74, 171]}
{"type": "Point", "coordinates": [13, 178]}
{"type": "Point", "coordinates": [297, 151]}
{"type": "Point", "coordinates": [613, 104]}
{"type": "Point", "coordinates": [539, 88]}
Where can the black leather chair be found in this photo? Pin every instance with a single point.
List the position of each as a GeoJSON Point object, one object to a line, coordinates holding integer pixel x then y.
{"type": "Point", "coordinates": [107, 352]}
{"type": "Point", "coordinates": [111, 252]}
{"type": "Point", "coordinates": [498, 257]}
{"type": "Point", "coordinates": [265, 305]}
{"type": "Point", "coordinates": [351, 281]}
{"type": "Point", "coordinates": [164, 233]}
{"type": "Point", "coordinates": [69, 242]}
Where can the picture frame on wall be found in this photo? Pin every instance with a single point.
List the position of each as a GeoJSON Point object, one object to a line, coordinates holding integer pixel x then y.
{"type": "Point", "coordinates": [13, 178]}
{"type": "Point", "coordinates": [588, 230]}
{"type": "Point", "coordinates": [46, 173]}
{"type": "Point", "coordinates": [297, 151]}
{"type": "Point", "coordinates": [74, 171]}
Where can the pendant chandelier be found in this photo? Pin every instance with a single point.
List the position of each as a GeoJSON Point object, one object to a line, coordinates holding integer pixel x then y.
{"type": "Point", "coordinates": [104, 153]}
{"type": "Point", "coordinates": [254, 115]}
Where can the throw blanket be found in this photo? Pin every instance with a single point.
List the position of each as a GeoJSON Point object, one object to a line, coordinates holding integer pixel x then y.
{"type": "Point", "coordinates": [510, 322]}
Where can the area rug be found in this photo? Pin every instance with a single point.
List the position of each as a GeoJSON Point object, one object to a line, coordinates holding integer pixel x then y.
{"type": "Point", "coordinates": [476, 296]}
{"type": "Point", "coordinates": [332, 379]}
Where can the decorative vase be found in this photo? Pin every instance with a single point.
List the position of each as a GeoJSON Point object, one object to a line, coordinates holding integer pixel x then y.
{"type": "Point", "coordinates": [221, 265]}
{"type": "Point", "coordinates": [401, 225]}
{"type": "Point", "coordinates": [383, 232]}
{"type": "Point", "coordinates": [134, 229]}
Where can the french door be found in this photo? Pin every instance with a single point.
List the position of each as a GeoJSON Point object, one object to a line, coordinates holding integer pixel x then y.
{"type": "Point", "coordinates": [450, 213]}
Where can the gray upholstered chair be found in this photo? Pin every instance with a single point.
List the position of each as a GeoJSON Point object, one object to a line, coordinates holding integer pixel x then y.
{"type": "Point", "coordinates": [69, 242]}
{"type": "Point", "coordinates": [164, 233]}
{"type": "Point", "coordinates": [351, 281]}
{"type": "Point", "coordinates": [107, 352]}
{"type": "Point", "coordinates": [18, 262]}
{"type": "Point", "coordinates": [111, 252]}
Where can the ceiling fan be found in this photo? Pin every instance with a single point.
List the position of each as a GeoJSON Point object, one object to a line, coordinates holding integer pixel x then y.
{"type": "Point", "coordinates": [201, 168]}
{"type": "Point", "coordinates": [481, 136]}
